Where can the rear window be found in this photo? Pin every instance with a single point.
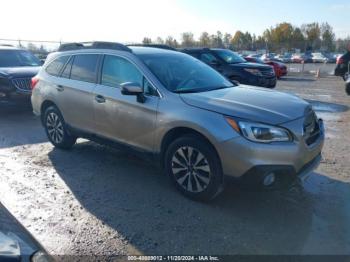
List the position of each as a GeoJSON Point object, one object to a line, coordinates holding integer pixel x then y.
{"type": "Point", "coordinates": [85, 68]}
{"type": "Point", "coordinates": [54, 68]}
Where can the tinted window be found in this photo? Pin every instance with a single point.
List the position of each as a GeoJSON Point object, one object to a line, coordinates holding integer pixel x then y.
{"type": "Point", "coordinates": [148, 88]}
{"type": "Point", "coordinates": [229, 57]}
{"type": "Point", "coordinates": [67, 69]}
{"type": "Point", "coordinates": [183, 73]}
{"type": "Point", "coordinates": [17, 58]}
{"type": "Point", "coordinates": [84, 68]}
{"type": "Point", "coordinates": [117, 70]}
{"type": "Point", "coordinates": [54, 68]}
{"type": "Point", "coordinates": [208, 58]}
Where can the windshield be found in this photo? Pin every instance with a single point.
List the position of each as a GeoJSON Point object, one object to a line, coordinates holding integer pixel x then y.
{"type": "Point", "coordinates": [229, 56]}
{"type": "Point", "coordinates": [16, 58]}
{"type": "Point", "coordinates": [257, 60]}
{"type": "Point", "coordinates": [182, 73]}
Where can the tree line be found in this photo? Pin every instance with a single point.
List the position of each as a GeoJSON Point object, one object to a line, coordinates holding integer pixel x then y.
{"type": "Point", "coordinates": [283, 37]}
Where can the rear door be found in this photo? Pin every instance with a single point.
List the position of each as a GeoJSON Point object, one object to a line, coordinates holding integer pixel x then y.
{"type": "Point", "coordinates": [76, 91]}
{"type": "Point", "coordinates": [120, 117]}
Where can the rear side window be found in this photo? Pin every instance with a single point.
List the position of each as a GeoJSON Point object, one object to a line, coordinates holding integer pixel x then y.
{"type": "Point", "coordinates": [54, 68]}
{"type": "Point", "coordinates": [67, 69]}
{"type": "Point", "coordinates": [117, 70]}
{"type": "Point", "coordinates": [85, 68]}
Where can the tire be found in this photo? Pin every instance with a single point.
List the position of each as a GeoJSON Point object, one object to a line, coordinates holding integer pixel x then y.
{"type": "Point", "coordinates": [56, 129]}
{"type": "Point", "coordinates": [194, 168]}
{"type": "Point", "coordinates": [347, 89]}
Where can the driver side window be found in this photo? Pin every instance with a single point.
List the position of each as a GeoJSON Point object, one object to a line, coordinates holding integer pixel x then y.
{"type": "Point", "coordinates": [209, 58]}
{"type": "Point", "coordinates": [117, 70]}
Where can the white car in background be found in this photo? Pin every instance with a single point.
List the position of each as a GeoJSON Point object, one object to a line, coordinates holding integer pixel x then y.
{"type": "Point", "coordinates": [319, 58]}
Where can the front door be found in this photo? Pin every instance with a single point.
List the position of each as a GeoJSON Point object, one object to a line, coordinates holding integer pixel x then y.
{"type": "Point", "coordinates": [120, 117]}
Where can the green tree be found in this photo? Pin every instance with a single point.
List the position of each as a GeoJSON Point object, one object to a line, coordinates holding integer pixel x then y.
{"type": "Point", "coordinates": [328, 37]}
{"type": "Point", "coordinates": [159, 41]}
{"type": "Point", "coordinates": [187, 39]}
{"type": "Point", "coordinates": [146, 41]}
{"type": "Point", "coordinates": [227, 40]}
{"type": "Point", "coordinates": [204, 40]}
{"type": "Point", "coordinates": [312, 33]}
{"type": "Point", "coordinates": [171, 41]}
{"type": "Point", "coordinates": [298, 39]}
{"type": "Point", "coordinates": [242, 41]}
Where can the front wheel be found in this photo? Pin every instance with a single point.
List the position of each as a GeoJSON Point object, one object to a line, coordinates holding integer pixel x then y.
{"type": "Point", "coordinates": [56, 129]}
{"type": "Point", "coordinates": [194, 168]}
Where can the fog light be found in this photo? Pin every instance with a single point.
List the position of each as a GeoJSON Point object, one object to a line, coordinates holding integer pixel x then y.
{"type": "Point", "coordinates": [269, 179]}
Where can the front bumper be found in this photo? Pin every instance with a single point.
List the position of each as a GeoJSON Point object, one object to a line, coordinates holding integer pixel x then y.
{"type": "Point", "coordinates": [263, 81]}
{"type": "Point", "coordinates": [243, 158]}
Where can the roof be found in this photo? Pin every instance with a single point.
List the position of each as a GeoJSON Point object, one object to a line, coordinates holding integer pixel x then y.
{"type": "Point", "coordinates": [141, 50]}
{"type": "Point", "coordinates": [9, 47]}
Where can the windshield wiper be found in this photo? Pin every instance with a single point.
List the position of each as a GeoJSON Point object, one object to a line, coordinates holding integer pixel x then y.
{"type": "Point", "coordinates": [221, 87]}
{"type": "Point", "coordinates": [184, 91]}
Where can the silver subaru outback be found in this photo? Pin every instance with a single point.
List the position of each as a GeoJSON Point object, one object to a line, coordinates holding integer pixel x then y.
{"type": "Point", "coordinates": [176, 109]}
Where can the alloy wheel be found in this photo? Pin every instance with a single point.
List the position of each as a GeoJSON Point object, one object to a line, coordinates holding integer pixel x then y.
{"type": "Point", "coordinates": [55, 128]}
{"type": "Point", "coordinates": [191, 169]}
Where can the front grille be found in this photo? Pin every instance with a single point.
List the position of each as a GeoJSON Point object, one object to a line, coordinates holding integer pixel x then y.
{"type": "Point", "coordinates": [311, 128]}
{"type": "Point", "coordinates": [23, 84]}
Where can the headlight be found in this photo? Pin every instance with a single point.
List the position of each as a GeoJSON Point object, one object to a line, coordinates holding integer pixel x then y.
{"type": "Point", "coordinates": [256, 72]}
{"type": "Point", "coordinates": [261, 133]}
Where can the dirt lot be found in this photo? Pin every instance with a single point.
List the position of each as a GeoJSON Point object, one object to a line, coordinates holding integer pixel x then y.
{"type": "Point", "coordinates": [97, 200]}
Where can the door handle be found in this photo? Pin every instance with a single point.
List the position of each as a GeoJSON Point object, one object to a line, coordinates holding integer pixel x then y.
{"type": "Point", "coordinates": [100, 99]}
{"type": "Point", "coordinates": [60, 88]}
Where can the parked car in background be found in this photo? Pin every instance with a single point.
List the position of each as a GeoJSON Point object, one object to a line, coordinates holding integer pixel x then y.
{"type": "Point", "coordinates": [180, 112]}
{"type": "Point", "coordinates": [297, 58]}
{"type": "Point", "coordinates": [301, 58]}
{"type": "Point", "coordinates": [279, 68]}
{"type": "Point", "coordinates": [319, 58]}
{"type": "Point", "coordinates": [16, 243]}
{"type": "Point", "coordinates": [343, 65]}
{"type": "Point", "coordinates": [268, 57]}
{"type": "Point", "coordinates": [17, 67]}
{"type": "Point", "coordinates": [234, 67]}
{"type": "Point", "coordinates": [332, 58]}
{"type": "Point", "coordinates": [286, 58]}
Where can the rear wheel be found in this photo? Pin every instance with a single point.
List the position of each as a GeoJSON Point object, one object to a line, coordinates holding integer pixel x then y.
{"type": "Point", "coordinates": [347, 89]}
{"type": "Point", "coordinates": [194, 167]}
{"type": "Point", "coordinates": [56, 129]}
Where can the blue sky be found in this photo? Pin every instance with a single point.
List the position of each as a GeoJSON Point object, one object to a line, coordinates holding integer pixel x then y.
{"type": "Point", "coordinates": [255, 15]}
{"type": "Point", "coordinates": [131, 20]}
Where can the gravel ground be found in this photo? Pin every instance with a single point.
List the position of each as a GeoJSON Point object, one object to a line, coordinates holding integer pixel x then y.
{"type": "Point", "coordinates": [101, 201]}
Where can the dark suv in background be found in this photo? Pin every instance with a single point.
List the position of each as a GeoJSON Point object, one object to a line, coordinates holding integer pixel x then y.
{"type": "Point", "coordinates": [17, 67]}
{"type": "Point", "coordinates": [234, 67]}
{"type": "Point", "coordinates": [343, 66]}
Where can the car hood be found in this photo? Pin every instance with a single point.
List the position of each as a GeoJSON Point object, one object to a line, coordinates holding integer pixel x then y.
{"type": "Point", "coordinates": [25, 71]}
{"type": "Point", "coordinates": [250, 103]}
{"type": "Point", "coordinates": [251, 65]}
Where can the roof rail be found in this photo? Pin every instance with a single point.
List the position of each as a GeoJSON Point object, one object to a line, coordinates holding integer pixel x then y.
{"type": "Point", "coordinates": [6, 45]}
{"type": "Point", "coordinates": [93, 45]}
{"type": "Point", "coordinates": [195, 48]}
{"type": "Point", "coordinates": [160, 46]}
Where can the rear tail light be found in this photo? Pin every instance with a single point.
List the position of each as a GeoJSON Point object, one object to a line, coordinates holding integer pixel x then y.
{"type": "Point", "coordinates": [33, 82]}
{"type": "Point", "coordinates": [340, 61]}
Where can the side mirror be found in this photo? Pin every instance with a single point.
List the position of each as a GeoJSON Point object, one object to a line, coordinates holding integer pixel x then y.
{"type": "Point", "coordinates": [133, 89]}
